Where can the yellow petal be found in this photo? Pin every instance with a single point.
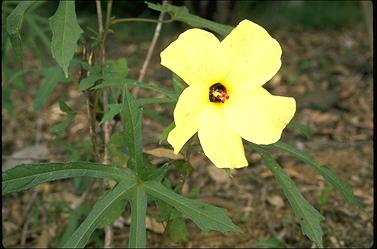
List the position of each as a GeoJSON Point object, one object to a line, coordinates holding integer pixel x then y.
{"type": "Point", "coordinates": [254, 56]}
{"type": "Point", "coordinates": [258, 116]}
{"type": "Point", "coordinates": [220, 144]}
{"type": "Point", "coordinates": [197, 57]}
{"type": "Point", "coordinates": [186, 115]}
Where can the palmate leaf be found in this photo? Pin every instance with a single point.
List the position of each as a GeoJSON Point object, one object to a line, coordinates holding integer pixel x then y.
{"type": "Point", "coordinates": [182, 14]}
{"type": "Point", "coordinates": [138, 212]}
{"type": "Point", "coordinates": [344, 188]}
{"type": "Point", "coordinates": [65, 34]}
{"type": "Point", "coordinates": [14, 25]}
{"type": "Point", "coordinates": [82, 234]}
{"type": "Point", "coordinates": [24, 176]}
{"type": "Point", "coordinates": [309, 218]}
{"type": "Point", "coordinates": [205, 216]}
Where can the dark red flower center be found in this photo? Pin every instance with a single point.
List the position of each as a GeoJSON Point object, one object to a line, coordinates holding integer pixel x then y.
{"type": "Point", "coordinates": [217, 93]}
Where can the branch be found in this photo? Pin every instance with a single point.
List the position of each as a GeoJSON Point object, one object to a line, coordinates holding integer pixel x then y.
{"type": "Point", "coordinates": [151, 48]}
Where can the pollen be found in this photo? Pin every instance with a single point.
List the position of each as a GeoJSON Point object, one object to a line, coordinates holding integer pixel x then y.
{"type": "Point", "coordinates": [218, 93]}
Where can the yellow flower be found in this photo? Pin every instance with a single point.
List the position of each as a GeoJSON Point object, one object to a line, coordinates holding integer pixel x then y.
{"type": "Point", "coordinates": [225, 99]}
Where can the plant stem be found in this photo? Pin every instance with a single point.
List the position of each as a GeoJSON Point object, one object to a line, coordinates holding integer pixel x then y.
{"type": "Point", "coordinates": [106, 126]}
{"type": "Point", "coordinates": [150, 49]}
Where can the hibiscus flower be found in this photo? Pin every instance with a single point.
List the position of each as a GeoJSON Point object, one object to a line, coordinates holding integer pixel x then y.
{"type": "Point", "coordinates": [225, 101]}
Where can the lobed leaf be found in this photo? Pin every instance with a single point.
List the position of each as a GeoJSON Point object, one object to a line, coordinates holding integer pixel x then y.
{"type": "Point", "coordinates": [132, 130]}
{"type": "Point", "coordinates": [65, 34]}
{"type": "Point", "coordinates": [25, 176]}
{"type": "Point", "coordinates": [205, 216]}
{"type": "Point", "coordinates": [344, 188]}
{"type": "Point", "coordinates": [82, 234]}
{"type": "Point", "coordinates": [138, 213]}
{"type": "Point", "coordinates": [307, 215]}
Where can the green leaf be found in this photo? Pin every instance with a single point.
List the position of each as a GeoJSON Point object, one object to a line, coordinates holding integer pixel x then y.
{"type": "Point", "coordinates": [72, 223]}
{"type": "Point", "coordinates": [178, 84]}
{"type": "Point", "coordinates": [14, 26]}
{"type": "Point", "coordinates": [65, 34]}
{"type": "Point", "coordinates": [132, 129]}
{"type": "Point", "coordinates": [60, 128]}
{"type": "Point", "coordinates": [166, 131]}
{"type": "Point", "coordinates": [148, 101]}
{"type": "Point", "coordinates": [325, 194]}
{"type": "Point", "coordinates": [303, 129]}
{"type": "Point", "coordinates": [181, 13]}
{"type": "Point", "coordinates": [25, 176]}
{"type": "Point", "coordinates": [270, 243]}
{"type": "Point", "coordinates": [307, 215]}
{"type": "Point", "coordinates": [88, 82]}
{"type": "Point", "coordinates": [138, 213]}
{"type": "Point", "coordinates": [82, 234]}
{"type": "Point", "coordinates": [135, 83]}
{"type": "Point", "coordinates": [53, 76]}
{"type": "Point", "coordinates": [117, 68]}
{"type": "Point", "coordinates": [5, 100]}
{"type": "Point", "coordinates": [114, 211]}
{"type": "Point", "coordinates": [114, 109]}
{"type": "Point", "coordinates": [344, 188]}
{"type": "Point", "coordinates": [176, 227]}
{"type": "Point", "coordinates": [118, 151]}
{"type": "Point", "coordinates": [205, 216]}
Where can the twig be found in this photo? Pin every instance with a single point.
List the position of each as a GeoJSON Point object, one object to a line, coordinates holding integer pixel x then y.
{"type": "Point", "coordinates": [120, 20]}
{"type": "Point", "coordinates": [26, 216]}
{"type": "Point", "coordinates": [151, 49]}
{"type": "Point", "coordinates": [106, 125]}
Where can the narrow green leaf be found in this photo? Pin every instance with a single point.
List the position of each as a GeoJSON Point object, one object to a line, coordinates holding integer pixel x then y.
{"type": "Point", "coordinates": [166, 131]}
{"type": "Point", "coordinates": [60, 127]}
{"type": "Point", "coordinates": [138, 212]}
{"type": "Point", "coordinates": [178, 84]}
{"type": "Point", "coordinates": [114, 211]}
{"type": "Point", "coordinates": [181, 13]}
{"type": "Point", "coordinates": [270, 243]}
{"type": "Point", "coordinates": [205, 216]}
{"type": "Point", "coordinates": [6, 100]}
{"type": "Point", "coordinates": [82, 234]}
{"type": "Point", "coordinates": [114, 109]}
{"type": "Point", "coordinates": [303, 129]}
{"type": "Point", "coordinates": [309, 218]}
{"type": "Point", "coordinates": [25, 176]}
{"type": "Point", "coordinates": [135, 83]}
{"type": "Point", "coordinates": [88, 82]}
{"type": "Point", "coordinates": [343, 187]}
{"type": "Point", "coordinates": [65, 34]}
{"type": "Point", "coordinates": [148, 101]}
{"type": "Point", "coordinates": [132, 128]}
{"type": "Point", "coordinates": [53, 76]}
{"type": "Point", "coordinates": [14, 25]}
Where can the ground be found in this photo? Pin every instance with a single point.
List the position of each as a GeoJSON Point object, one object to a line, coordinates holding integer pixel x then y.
{"type": "Point", "coordinates": [330, 75]}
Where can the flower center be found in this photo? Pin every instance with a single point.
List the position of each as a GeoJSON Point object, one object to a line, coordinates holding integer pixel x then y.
{"type": "Point", "coordinates": [217, 93]}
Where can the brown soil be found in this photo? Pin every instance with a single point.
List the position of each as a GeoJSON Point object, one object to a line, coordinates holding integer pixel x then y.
{"type": "Point", "coordinates": [330, 75]}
